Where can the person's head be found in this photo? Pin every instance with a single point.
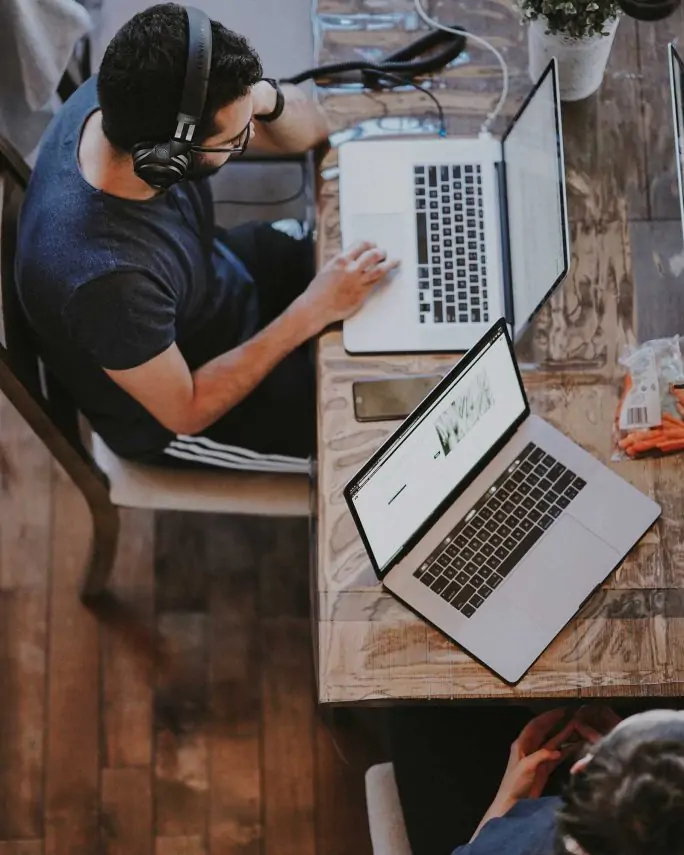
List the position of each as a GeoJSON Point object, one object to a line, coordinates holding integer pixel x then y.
{"type": "Point", "coordinates": [141, 77]}
{"type": "Point", "coordinates": [626, 796]}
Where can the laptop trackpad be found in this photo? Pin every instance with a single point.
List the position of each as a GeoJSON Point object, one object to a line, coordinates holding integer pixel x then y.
{"type": "Point", "coordinates": [386, 230]}
{"type": "Point", "coordinates": [560, 572]}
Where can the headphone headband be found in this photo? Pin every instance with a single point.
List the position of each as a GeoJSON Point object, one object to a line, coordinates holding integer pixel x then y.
{"type": "Point", "coordinates": [196, 74]}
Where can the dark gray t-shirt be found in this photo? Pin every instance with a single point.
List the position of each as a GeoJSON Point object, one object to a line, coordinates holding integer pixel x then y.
{"type": "Point", "coordinates": [111, 283]}
{"type": "Point", "coordinates": [529, 828]}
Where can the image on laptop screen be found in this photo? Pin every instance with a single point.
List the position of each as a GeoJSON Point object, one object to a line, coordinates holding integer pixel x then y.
{"type": "Point", "coordinates": [535, 186]}
{"type": "Point", "coordinates": [676, 80]}
{"type": "Point", "coordinates": [435, 451]}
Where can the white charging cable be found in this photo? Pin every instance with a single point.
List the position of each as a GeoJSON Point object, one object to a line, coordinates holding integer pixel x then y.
{"type": "Point", "coordinates": [480, 41]}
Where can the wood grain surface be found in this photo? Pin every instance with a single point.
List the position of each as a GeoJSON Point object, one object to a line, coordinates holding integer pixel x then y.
{"type": "Point", "coordinates": [620, 167]}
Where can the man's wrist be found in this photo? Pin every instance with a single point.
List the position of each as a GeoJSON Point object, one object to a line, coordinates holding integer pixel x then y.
{"type": "Point", "coordinates": [305, 316]}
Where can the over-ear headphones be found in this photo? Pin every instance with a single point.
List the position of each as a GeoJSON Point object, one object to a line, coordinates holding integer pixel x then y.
{"type": "Point", "coordinates": [163, 164]}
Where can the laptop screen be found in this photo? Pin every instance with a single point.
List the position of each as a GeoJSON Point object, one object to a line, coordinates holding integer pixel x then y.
{"type": "Point", "coordinates": [437, 447]}
{"type": "Point", "coordinates": [535, 189]}
{"type": "Point", "coordinates": [676, 81]}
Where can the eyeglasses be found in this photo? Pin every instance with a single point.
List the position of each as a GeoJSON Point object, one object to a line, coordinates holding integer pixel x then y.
{"type": "Point", "coordinates": [236, 149]}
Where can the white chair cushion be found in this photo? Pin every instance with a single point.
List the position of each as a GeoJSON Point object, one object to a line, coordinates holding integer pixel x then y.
{"type": "Point", "coordinates": [385, 816]}
{"type": "Point", "coordinates": [134, 485]}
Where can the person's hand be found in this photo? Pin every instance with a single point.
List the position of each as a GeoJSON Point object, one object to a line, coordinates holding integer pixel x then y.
{"type": "Point", "coordinates": [532, 759]}
{"type": "Point", "coordinates": [595, 721]}
{"type": "Point", "coordinates": [342, 285]}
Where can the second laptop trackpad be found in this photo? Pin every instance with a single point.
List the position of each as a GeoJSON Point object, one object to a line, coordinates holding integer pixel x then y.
{"type": "Point", "coordinates": [385, 230]}
{"type": "Point", "coordinates": [560, 572]}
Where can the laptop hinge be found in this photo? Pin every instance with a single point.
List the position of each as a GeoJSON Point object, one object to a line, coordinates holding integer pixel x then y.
{"type": "Point", "coordinates": [505, 233]}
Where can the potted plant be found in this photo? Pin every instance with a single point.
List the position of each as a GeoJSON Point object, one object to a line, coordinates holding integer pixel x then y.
{"type": "Point", "coordinates": [579, 33]}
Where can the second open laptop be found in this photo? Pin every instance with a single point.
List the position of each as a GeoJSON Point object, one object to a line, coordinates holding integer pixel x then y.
{"type": "Point", "coordinates": [676, 85]}
{"type": "Point", "coordinates": [480, 226]}
{"type": "Point", "coordinates": [488, 521]}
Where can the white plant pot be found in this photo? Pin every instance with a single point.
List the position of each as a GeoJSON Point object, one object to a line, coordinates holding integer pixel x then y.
{"type": "Point", "coordinates": [581, 62]}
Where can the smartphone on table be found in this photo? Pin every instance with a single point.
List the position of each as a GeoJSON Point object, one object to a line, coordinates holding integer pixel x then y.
{"type": "Point", "coordinates": [391, 398]}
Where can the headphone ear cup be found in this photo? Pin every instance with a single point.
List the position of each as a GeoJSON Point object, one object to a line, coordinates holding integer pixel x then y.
{"type": "Point", "coordinates": [161, 165]}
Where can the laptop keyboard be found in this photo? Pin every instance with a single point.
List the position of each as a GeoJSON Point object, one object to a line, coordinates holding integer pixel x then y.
{"type": "Point", "coordinates": [452, 269]}
{"type": "Point", "coordinates": [500, 529]}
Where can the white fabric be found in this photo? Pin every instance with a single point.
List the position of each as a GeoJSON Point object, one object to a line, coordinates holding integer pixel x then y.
{"type": "Point", "coordinates": [37, 40]}
{"type": "Point", "coordinates": [385, 816]}
{"type": "Point", "coordinates": [133, 485]}
{"type": "Point", "coordinates": [201, 449]}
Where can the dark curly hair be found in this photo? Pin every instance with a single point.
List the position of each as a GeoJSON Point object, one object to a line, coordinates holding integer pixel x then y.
{"type": "Point", "coordinates": [140, 81]}
{"type": "Point", "coordinates": [629, 800]}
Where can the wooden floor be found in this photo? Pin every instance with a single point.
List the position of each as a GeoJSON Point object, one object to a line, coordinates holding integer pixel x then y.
{"type": "Point", "coordinates": [112, 741]}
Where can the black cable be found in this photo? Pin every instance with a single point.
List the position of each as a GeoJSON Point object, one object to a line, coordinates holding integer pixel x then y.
{"type": "Point", "coordinates": [403, 81]}
{"type": "Point", "coordinates": [431, 52]}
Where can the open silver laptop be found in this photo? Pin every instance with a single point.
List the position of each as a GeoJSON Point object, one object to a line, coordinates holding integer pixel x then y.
{"type": "Point", "coordinates": [486, 520]}
{"type": "Point", "coordinates": [480, 226]}
{"type": "Point", "coordinates": [676, 80]}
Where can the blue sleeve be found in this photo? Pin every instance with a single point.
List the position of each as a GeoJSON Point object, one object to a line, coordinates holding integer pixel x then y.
{"type": "Point", "coordinates": [122, 320]}
{"type": "Point", "coordinates": [529, 828]}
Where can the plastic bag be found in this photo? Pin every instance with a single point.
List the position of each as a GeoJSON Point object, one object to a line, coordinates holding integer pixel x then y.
{"type": "Point", "coordinates": [649, 420]}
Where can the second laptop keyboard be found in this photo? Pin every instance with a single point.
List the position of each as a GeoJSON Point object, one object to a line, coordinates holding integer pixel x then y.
{"type": "Point", "coordinates": [500, 529]}
{"type": "Point", "coordinates": [452, 264]}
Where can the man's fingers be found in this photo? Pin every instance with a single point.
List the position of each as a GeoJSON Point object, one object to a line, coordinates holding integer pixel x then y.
{"type": "Point", "coordinates": [544, 755]}
{"type": "Point", "coordinates": [588, 732]}
{"type": "Point", "coordinates": [376, 273]}
{"type": "Point", "coordinates": [369, 259]}
{"type": "Point", "coordinates": [534, 734]}
{"type": "Point", "coordinates": [357, 249]}
{"type": "Point", "coordinates": [561, 737]}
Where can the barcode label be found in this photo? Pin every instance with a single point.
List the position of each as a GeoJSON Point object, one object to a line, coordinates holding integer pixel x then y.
{"type": "Point", "coordinates": [637, 416]}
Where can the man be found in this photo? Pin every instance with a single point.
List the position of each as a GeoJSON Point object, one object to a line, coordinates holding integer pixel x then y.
{"type": "Point", "coordinates": [625, 794]}
{"type": "Point", "coordinates": [179, 342]}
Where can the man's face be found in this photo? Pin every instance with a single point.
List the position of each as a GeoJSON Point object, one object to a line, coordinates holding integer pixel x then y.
{"type": "Point", "coordinates": [233, 128]}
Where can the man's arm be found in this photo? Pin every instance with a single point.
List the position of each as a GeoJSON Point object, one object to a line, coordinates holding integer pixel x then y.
{"type": "Point", "coordinates": [302, 125]}
{"type": "Point", "coordinates": [187, 402]}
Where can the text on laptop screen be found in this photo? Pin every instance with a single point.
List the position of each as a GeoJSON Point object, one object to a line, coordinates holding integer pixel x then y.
{"type": "Point", "coordinates": [418, 471]}
{"type": "Point", "coordinates": [535, 189]}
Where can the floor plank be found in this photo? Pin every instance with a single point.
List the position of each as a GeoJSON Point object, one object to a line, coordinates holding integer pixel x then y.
{"type": "Point", "coordinates": [22, 847]}
{"type": "Point", "coordinates": [180, 555]}
{"type": "Point", "coordinates": [343, 754]}
{"type": "Point", "coordinates": [127, 812]}
{"type": "Point", "coordinates": [25, 507]}
{"type": "Point", "coordinates": [235, 694]}
{"type": "Point", "coordinates": [128, 647]}
{"type": "Point", "coordinates": [72, 757]}
{"type": "Point", "coordinates": [181, 788]}
{"type": "Point", "coordinates": [288, 721]}
{"type": "Point", "coordinates": [180, 846]}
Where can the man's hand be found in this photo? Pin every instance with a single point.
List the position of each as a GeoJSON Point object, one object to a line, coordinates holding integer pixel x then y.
{"type": "Point", "coordinates": [532, 759]}
{"type": "Point", "coordinates": [342, 285]}
{"type": "Point", "coordinates": [595, 721]}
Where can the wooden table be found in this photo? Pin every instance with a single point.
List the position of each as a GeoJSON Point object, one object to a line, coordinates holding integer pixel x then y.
{"type": "Point", "coordinates": [627, 263]}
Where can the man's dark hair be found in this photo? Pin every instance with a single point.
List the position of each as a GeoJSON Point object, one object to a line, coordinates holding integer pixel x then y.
{"type": "Point", "coordinates": [629, 800]}
{"type": "Point", "coordinates": [140, 81]}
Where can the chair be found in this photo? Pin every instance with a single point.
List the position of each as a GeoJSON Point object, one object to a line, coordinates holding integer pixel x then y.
{"type": "Point", "coordinates": [385, 816]}
{"type": "Point", "coordinates": [106, 480]}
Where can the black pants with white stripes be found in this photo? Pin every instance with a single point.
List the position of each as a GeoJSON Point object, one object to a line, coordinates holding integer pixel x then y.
{"type": "Point", "coordinates": [274, 428]}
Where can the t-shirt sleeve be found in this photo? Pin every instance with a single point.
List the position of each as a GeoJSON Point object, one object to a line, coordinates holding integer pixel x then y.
{"type": "Point", "coordinates": [122, 320]}
{"type": "Point", "coordinates": [528, 829]}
